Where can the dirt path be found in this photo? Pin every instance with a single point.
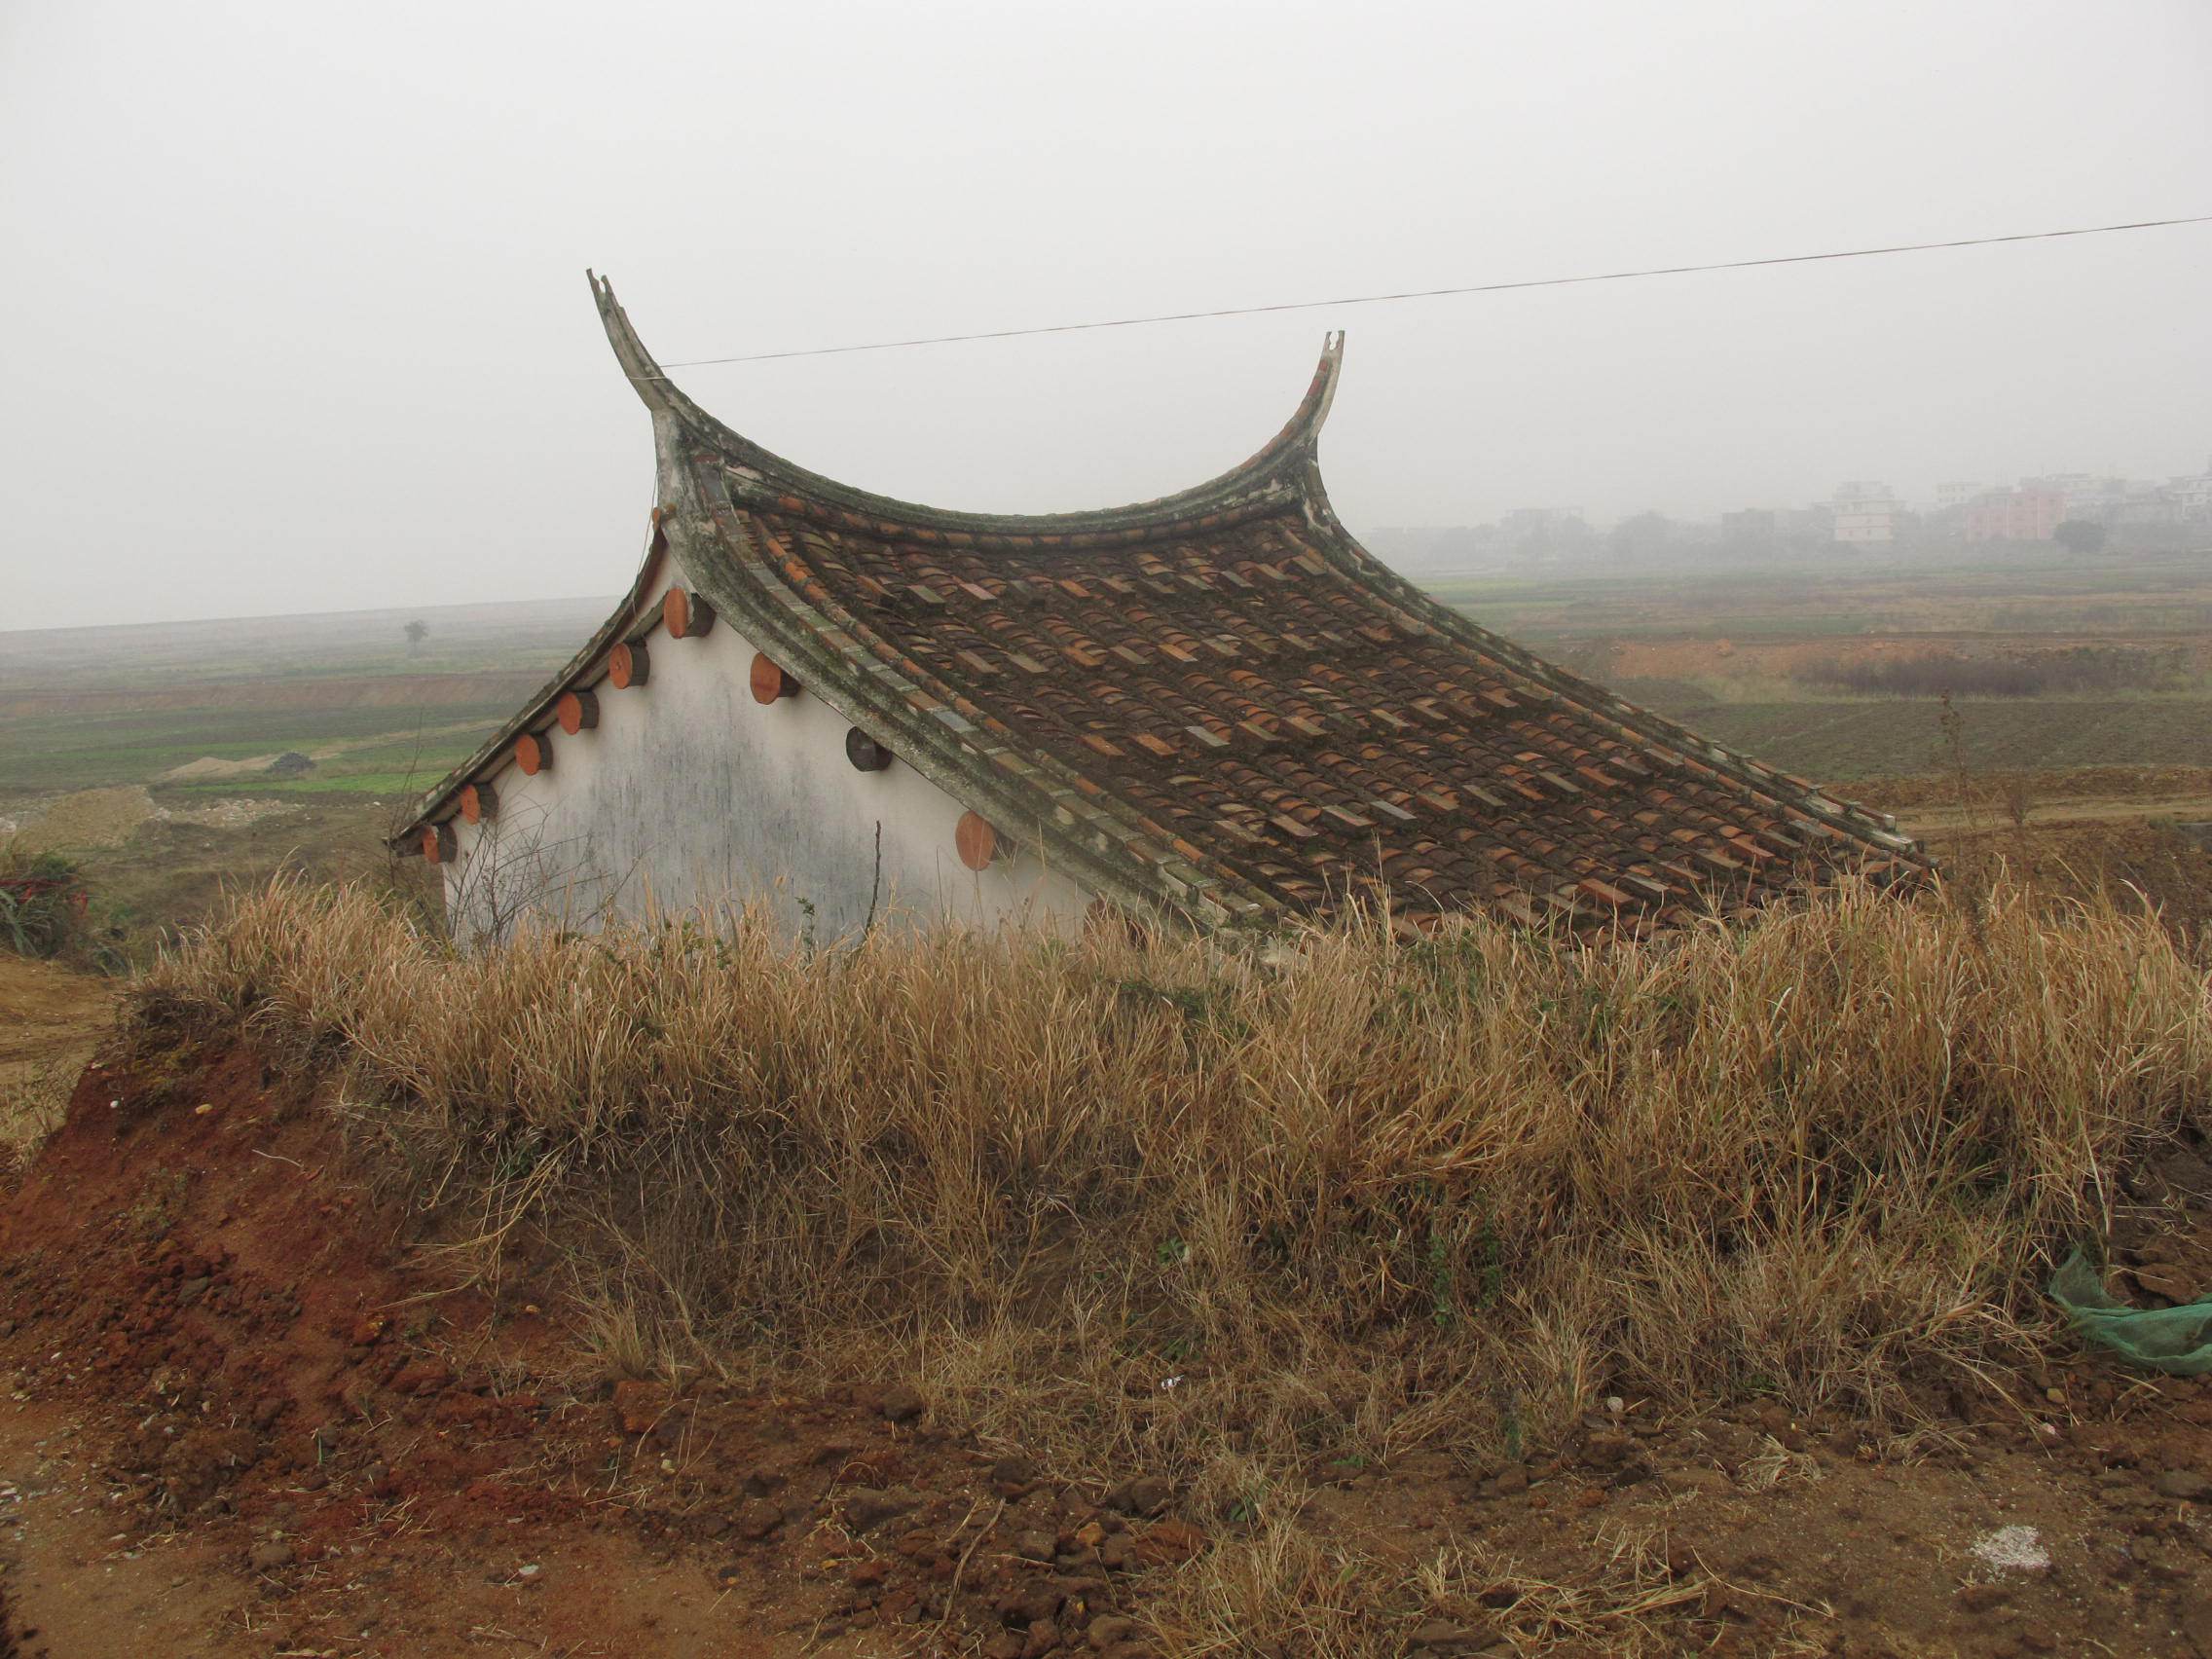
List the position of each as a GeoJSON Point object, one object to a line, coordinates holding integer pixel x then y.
{"type": "Point", "coordinates": [236, 1421]}
{"type": "Point", "coordinates": [85, 1580]}
{"type": "Point", "coordinates": [79, 1588]}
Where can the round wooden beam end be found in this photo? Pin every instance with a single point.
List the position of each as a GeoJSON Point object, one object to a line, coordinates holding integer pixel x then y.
{"type": "Point", "coordinates": [533, 754]}
{"type": "Point", "coordinates": [627, 665]}
{"type": "Point", "coordinates": [684, 615]}
{"type": "Point", "coordinates": [769, 681]}
{"type": "Point", "coordinates": [479, 802]}
{"type": "Point", "coordinates": [439, 844]}
{"type": "Point", "coordinates": [864, 751]}
{"type": "Point", "coordinates": [577, 711]}
{"type": "Point", "coordinates": [978, 842]}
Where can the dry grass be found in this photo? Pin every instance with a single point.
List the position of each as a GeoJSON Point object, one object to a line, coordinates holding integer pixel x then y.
{"type": "Point", "coordinates": [1279, 1590]}
{"type": "Point", "coordinates": [1357, 1195]}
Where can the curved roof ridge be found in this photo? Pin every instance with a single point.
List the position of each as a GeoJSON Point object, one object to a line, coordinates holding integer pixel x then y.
{"type": "Point", "coordinates": [1277, 470]}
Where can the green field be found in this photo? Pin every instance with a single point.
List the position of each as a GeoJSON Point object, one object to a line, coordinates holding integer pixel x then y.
{"type": "Point", "coordinates": [87, 708]}
{"type": "Point", "coordinates": [206, 656]}
{"type": "Point", "coordinates": [85, 750]}
{"type": "Point", "coordinates": [93, 707]}
{"type": "Point", "coordinates": [1731, 654]}
{"type": "Point", "coordinates": [1843, 596]}
{"type": "Point", "coordinates": [1734, 654]}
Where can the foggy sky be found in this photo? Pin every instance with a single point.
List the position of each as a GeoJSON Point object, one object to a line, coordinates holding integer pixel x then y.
{"type": "Point", "coordinates": [297, 316]}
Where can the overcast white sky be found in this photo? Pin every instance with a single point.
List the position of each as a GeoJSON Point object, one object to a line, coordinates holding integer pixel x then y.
{"type": "Point", "coordinates": [297, 318]}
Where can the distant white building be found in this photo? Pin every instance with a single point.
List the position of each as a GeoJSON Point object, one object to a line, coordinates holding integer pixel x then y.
{"type": "Point", "coordinates": [1526, 521]}
{"type": "Point", "coordinates": [2191, 494]}
{"type": "Point", "coordinates": [2126, 501]}
{"type": "Point", "coordinates": [2099, 501]}
{"type": "Point", "coordinates": [1957, 492]}
{"type": "Point", "coordinates": [1864, 513]}
{"type": "Point", "coordinates": [2081, 495]}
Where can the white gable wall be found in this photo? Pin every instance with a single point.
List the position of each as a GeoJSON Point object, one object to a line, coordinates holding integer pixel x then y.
{"type": "Point", "coordinates": [689, 795]}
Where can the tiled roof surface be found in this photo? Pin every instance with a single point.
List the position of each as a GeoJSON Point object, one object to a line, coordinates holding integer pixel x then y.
{"type": "Point", "coordinates": [1219, 702]}
{"type": "Point", "coordinates": [1271, 715]}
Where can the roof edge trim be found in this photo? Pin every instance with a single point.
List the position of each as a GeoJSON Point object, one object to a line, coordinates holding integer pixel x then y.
{"type": "Point", "coordinates": [631, 617]}
{"type": "Point", "coordinates": [1278, 467]}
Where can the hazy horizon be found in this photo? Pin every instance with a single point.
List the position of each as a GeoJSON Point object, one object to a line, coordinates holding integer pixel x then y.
{"type": "Point", "coordinates": [301, 322]}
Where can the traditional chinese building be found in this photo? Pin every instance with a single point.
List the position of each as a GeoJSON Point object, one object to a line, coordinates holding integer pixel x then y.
{"type": "Point", "coordinates": [1216, 706]}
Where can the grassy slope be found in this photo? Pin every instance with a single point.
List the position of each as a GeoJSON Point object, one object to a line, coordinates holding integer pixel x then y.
{"type": "Point", "coordinates": [1366, 1196]}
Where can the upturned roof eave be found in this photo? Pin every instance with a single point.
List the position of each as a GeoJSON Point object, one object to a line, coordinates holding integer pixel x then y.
{"type": "Point", "coordinates": [1277, 466]}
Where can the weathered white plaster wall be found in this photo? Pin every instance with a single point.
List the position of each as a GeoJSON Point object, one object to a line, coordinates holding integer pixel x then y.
{"type": "Point", "coordinates": [691, 795]}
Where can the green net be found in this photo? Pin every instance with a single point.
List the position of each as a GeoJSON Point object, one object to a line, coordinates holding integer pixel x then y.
{"type": "Point", "coordinates": [2177, 1339]}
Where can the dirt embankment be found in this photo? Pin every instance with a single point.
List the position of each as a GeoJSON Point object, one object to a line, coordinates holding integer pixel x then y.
{"type": "Point", "coordinates": [95, 820]}
{"type": "Point", "coordinates": [243, 1416]}
{"type": "Point", "coordinates": [303, 1440]}
{"type": "Point", "coordinates": [50, 1021]}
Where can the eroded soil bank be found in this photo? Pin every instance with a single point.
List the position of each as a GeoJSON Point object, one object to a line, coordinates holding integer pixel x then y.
{"type": "Point", "coordinates": [247, 1415]}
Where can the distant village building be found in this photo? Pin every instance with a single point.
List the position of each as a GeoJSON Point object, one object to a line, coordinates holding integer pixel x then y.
{"type": "Point", "coordinates": [1524, 521]}
{"type": "Point", "coordinates": [2193, 492]}
{"type": "Point", "coordinates": [2024, 514]}
{"type": "Point", "coordinates": [2081, 495]}
{"type": "Point", "coordinates": [1749, 525]}
{"type": "Point", "coordinates": [2144, 504]}
{"type": "Point", "coordinates": [1956, 492]}
{"type": "Point", "coordinates": [1864, 513]}
{"type": "Point", "coordinates": [1539, 533]}
{"type": "Point", "coordinates": [1215, 708]}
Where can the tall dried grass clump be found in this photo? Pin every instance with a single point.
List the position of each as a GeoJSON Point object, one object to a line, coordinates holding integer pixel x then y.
{"type": "Point", "coordinates": [1354, 1192]}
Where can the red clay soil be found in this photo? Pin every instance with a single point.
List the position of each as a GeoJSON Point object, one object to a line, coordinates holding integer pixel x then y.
{"type": "Point", "coordinates": [245, 1418]}
{"type": "Point", "coordinates": [298, 1442]}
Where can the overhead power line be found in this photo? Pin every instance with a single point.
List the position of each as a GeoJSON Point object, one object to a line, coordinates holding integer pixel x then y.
{"type": "Point", "coordinates": [1436, 293]}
